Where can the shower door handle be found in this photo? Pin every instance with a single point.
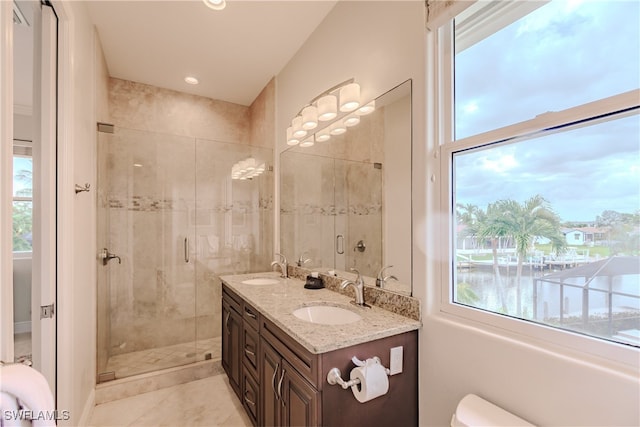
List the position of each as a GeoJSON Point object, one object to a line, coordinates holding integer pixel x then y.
{"type": "Point", "coordinates": [186, 249]}
{"type": "Point", "coordinates": [340, 244]}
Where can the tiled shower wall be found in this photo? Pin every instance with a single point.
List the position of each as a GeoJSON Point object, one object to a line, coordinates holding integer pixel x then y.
{"type": "Point", "coordinates": [186, 146]}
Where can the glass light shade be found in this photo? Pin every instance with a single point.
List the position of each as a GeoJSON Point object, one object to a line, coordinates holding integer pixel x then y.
{"type": "Point", "coordinates": [349, 97]}
{"type": "Point", "coordinates": [351, 120]}
{"type": "Point", "coordinates": [309, 117]}
{"type": "Point", "coordinates": [298, 132]}
{"type": "Point", "coordinates": [367, 108]}
{"type": "Point", "coordinates": [191, 80]}
{"type": "Point", "coordinates": [323, 135]}
{"type": "Point", "coordinates": [291, 140]}
{"type": "Point", "coordinates": [338, 128]}
{"type": "Point", "coordinates": [307, 142]}
{"type": "Point", "coordinates": [327, 108]}
{"type": "Point", "coordinates": [215, 4]}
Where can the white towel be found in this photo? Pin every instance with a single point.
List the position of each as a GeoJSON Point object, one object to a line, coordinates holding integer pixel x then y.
{"type": "Point", "coordinates": [21, 382]}
{"type": "Point", "coordinates": [9, 411]}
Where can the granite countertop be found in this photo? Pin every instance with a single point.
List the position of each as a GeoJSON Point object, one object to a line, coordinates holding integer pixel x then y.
{"type": "Point", "coordinates": [277, 303]}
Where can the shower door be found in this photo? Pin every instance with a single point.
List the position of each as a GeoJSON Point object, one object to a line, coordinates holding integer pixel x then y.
{"type": "Point", "coordinates": [332, 209]}
{"type": "Point", "coordinates": [146, 292]}
{"type": "Point", "coordinates": [358, 198]}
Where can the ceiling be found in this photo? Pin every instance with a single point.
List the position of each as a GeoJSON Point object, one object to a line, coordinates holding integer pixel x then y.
{"type": "Point", "coordinates": [233, 53]}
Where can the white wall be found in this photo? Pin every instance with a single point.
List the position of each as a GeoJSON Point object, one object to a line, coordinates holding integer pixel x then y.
{"type": "Point", "coordinates": [77, 229]}
{"type": "Point", "coordinates": [397, 189]}
{"type": "Point", "coordinates": [382, 44]}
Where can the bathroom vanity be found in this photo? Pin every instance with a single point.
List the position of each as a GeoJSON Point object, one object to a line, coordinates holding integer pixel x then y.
{"type": "Point", "coordinates": [277, 363]}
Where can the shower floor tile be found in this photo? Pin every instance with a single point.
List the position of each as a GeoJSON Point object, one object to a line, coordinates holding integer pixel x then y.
{"type": "Point", "coordinates": [153, 359]}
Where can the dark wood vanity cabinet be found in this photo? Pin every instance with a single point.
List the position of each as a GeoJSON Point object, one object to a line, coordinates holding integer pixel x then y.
{"type": "Point", "coordinates": [231, 340]}
{"type": "Point", "coordinates": [281, 383]}
{"type": "Point", "coordinates": [240, 351]}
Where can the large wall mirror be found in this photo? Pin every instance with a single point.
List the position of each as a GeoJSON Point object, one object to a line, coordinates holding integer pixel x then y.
{"type": "Point", "coordinates": [346, 202]}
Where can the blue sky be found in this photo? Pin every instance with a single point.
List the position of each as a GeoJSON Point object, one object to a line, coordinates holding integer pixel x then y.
{"type": "Point", "coordinates": [21, 164]}
{"type": "Point", "coordinates": [563, 54]}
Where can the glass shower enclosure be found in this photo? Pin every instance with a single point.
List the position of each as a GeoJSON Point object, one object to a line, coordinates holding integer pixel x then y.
{"type": "Point", "coordinates": [171, 220]}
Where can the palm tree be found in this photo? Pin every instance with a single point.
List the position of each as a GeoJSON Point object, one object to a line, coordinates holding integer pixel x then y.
{"type": "Point", "coordinates": [481, 225]}
{"type": "Point", "coordinates": [524, 222]}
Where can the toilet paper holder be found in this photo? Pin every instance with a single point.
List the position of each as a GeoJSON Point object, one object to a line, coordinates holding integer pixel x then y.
{"type": "Point", "coordinates": [334, 376]}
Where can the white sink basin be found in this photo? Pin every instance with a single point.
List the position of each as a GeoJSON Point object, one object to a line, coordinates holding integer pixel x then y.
{"type": "Point", "coordinates": [326, 315]}
{"type": "Point", "coordinates": [261, 281]}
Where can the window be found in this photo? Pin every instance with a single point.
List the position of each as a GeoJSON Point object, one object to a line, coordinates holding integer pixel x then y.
{"type": "Point", "coordinates": [543, 151]}
{"type": "Point", "coordinates": [22, 198]}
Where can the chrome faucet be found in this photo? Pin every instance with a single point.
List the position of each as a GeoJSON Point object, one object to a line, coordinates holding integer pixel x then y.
{"type": "Point", "coordinates": [381, 280]}
{"type": "Point", "coordinates": [282, 264]}
{"type": "Point", "coordinates": [358, 286]}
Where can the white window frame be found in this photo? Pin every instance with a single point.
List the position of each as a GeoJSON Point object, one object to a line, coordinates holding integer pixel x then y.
{"type": "Point", "coordinates": [526, 332]}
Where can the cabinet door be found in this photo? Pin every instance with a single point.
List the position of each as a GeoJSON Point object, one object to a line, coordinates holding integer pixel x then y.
{"type": "Point", "coordinates": [300, 405]}
{"type": "Point", "coordinates": [231, 346]}
{"type": "Point", "coordinates": [270, 375]}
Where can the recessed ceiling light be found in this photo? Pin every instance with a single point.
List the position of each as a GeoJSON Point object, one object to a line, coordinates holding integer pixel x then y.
{"type": "Point", "coordinates": [191, 80]}
{"type": "Point", "coordinates": [215, 4]}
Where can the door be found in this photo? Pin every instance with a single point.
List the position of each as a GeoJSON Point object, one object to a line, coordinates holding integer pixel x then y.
{"type": "Point", "coordinates": [358, 193]}
{"type": "Point", "coordinates": [270, 374]}
{"type": "Point", "coordinates": [300, 401]}
{"type": "Point", "coordinates": [231, 355]}
{"type": "Point", "coordinates": [146, 277]}
{"type": "Point", "coordinates": [32, 189]}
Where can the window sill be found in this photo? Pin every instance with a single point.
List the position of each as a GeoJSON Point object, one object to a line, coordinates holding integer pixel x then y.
{"type": "Point", "coordinates": [622, 359]}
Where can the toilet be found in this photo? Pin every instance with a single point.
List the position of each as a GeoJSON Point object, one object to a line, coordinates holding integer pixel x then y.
{"type": "Point", "coordinates": [473, 411]}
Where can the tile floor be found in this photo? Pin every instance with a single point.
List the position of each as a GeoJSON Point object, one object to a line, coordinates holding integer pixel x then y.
{"type": "Point", "coordinates": [154, 359]}
{"type": "Point", "coordinates": [22, 347]}
{"type": "Point", "coordinates": [205, 402]}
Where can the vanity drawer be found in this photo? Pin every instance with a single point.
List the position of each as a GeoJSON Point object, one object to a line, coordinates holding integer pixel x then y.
{"type": "Point", "coordinates": [251, 341]}
{"type": "Point", "coordinates": [301, 359]}
{"type": "Point", "coordinates": [251, 316]}
{"type": "Point", "coordinates": [251, 397]}
{"type": "Point", "coordinates": [232, 299]}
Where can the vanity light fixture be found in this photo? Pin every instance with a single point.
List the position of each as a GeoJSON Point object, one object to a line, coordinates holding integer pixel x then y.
{"type": "Point", "coordinates": [247, 169]}
{"type": "Point", "coordinates": [215, 4]}
{"type": "Point", "coordinates": [191, 80]}
{"type": "Point", "coordinates": [340, 107]}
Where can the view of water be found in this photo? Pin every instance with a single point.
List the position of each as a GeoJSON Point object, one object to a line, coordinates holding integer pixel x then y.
{"type": "Point", "coordinates": [494, 296]}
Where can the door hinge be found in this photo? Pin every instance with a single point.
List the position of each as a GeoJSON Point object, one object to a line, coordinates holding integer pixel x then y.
{"type": "Point", "coordinates": [46, 311]}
